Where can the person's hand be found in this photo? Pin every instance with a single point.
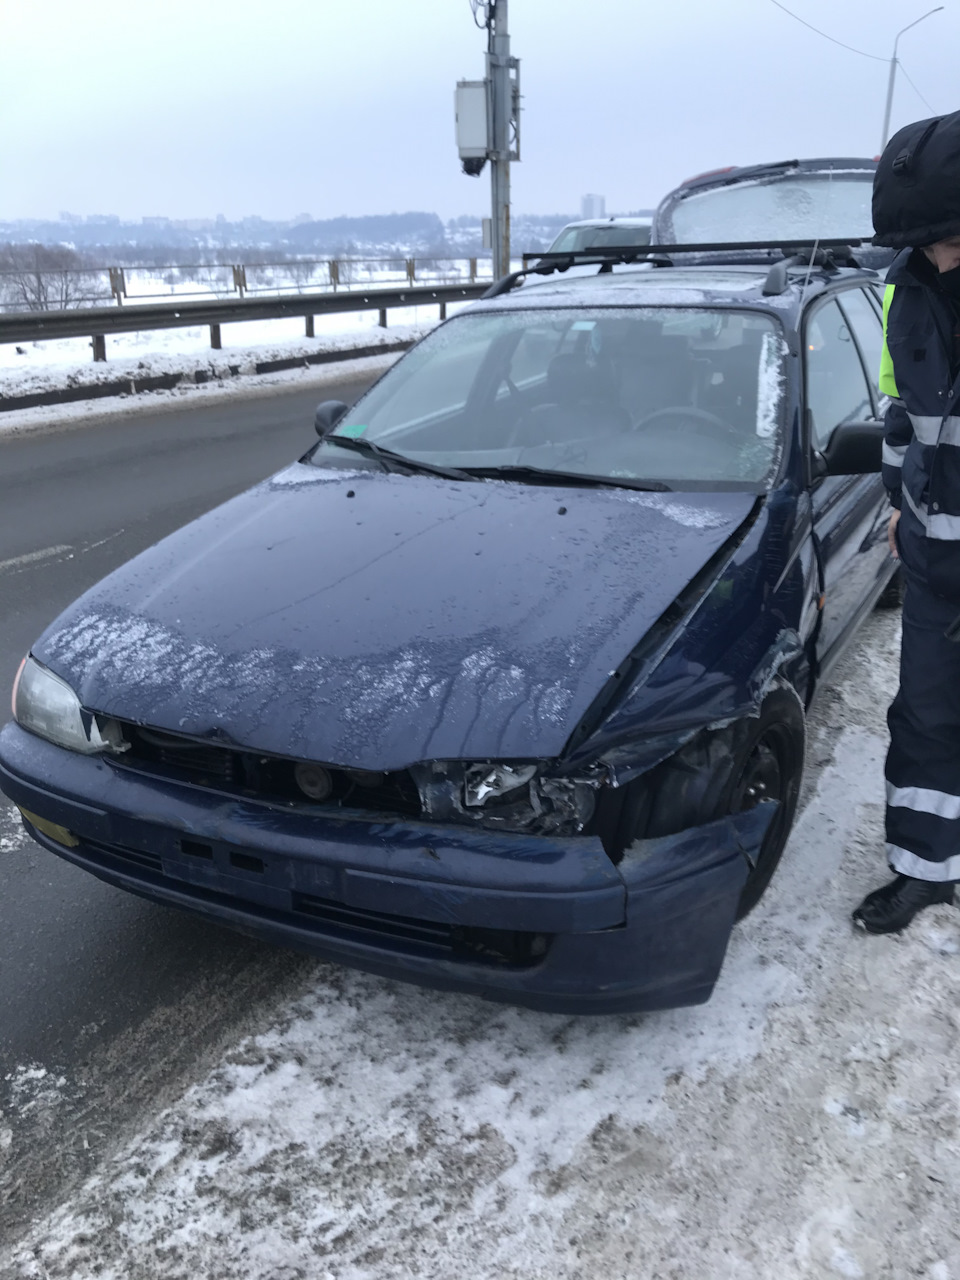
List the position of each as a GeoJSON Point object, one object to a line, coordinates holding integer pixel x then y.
{"type": "Point", "coordinates": [892, 535]}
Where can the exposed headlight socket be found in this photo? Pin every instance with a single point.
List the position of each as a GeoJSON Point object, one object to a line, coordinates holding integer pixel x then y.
{"type": "Point", "coordinates": [489, 782]}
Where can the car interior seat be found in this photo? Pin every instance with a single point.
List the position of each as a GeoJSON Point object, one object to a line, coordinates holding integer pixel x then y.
{"type": "Point", "coordinates": [656, 372]}
{"type": "Point", "coordinates": [731, 384]}
{"type": "Point", "coordinates": [581, 400]}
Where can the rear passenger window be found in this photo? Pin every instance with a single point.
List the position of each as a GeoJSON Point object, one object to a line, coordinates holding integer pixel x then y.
{"type": "Point", "coordinates": [867, 328]}
{"type": "Point", "coordinates": [836, 384]}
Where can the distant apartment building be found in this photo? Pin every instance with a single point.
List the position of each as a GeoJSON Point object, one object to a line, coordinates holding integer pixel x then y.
{"type": "Point", "coordinates": [592, 206]}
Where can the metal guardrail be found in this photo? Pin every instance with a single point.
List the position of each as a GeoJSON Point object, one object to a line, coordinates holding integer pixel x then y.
{"type": "Point", "coordinates": [97, 322]}
{"type": "Point", "coordinates": [33, 287]}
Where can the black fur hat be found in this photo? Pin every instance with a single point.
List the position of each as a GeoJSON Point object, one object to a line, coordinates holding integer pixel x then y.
{"type": "Point", "coordinates": [916, 190]}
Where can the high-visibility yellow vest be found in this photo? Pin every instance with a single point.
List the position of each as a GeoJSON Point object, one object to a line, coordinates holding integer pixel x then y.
{"type": "Point", "coordinates": [888, 382]}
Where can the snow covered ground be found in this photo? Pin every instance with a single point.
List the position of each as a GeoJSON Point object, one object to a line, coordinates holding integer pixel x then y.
{"type": "Point", "coordinates": [26, 367]}
{"type": "Point", "coordinates": [60, 417]}
{"type": "Point", "coordinates": [802, 1124]}
{"type": "Point", "coordinates": [66, 363]}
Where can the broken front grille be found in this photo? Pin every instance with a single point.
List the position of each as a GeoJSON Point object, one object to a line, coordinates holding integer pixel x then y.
{"type": "Point", "coordinates": [263, 777]}
{"type": "Point", "coordinates": [511, 948]}
{"type": "Point", "coordinates": [491, 946]}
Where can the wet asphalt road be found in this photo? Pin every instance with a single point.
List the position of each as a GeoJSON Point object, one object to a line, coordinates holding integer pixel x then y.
{"type": "Point", "coordinates": [114, 995]}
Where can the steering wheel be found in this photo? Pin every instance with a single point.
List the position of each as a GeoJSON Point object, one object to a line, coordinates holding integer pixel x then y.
{"type": "Point", "coordinates": [693, 415]}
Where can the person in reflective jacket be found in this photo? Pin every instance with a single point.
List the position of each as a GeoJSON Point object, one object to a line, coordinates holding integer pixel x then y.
{"type": "Point", "coordinates": [916, 209]}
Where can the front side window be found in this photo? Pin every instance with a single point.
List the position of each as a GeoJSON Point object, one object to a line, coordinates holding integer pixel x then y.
{"type": "Point", "coordinates": [836, 384]}
{"type": "Point", "coordinates": [867, 328]}
{"type": "Point", "coordinates": [679, 396]}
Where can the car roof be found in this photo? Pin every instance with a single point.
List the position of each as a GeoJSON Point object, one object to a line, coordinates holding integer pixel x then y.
{"type": "Point", "coordinates": [743, 173]}
{"type": "Point", "coordinates": [713, 285]}
{"type": "Point", "coordinates": [627, 220]}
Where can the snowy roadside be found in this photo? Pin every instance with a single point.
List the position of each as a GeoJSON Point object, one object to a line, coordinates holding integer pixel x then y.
{"type": "Point", "coordinates": [802, 1124]}
{"type": "Point", "coordinates": [32, 366]}
{"type": "Point", "coordinates": [183, 360]}
{"type": "Point", "coordinates": [58, 417]}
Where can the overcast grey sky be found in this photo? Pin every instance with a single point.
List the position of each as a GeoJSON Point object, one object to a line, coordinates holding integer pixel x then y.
{"type": "Point", "coordinates": [197, 107]}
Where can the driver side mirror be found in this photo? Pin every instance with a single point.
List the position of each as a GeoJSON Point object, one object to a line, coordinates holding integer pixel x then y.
{"type": "Point", "coordinates": [854, 449]}
{"type": "Point", "coordinates": [328, 414]}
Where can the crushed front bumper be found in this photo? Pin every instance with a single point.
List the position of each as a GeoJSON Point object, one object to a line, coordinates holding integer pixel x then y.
{"type": "Point", "coordinates": [550, 923]}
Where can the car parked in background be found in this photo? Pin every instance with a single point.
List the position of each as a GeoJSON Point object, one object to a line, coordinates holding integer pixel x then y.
{"type": "Point", "coordinates": [501, 687]}
{"type": "Point", "coordinates": [601, 233]}
{"type": "Point", "coordinates": [825, 198]}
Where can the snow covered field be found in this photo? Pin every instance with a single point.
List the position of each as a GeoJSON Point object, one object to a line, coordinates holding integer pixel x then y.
{"type": "Point", "coordinates": [802, 1124]}
{"type": "Point", "coordinates": [26, 367]}
{"type": "Point", "coordinates": [339, 272]}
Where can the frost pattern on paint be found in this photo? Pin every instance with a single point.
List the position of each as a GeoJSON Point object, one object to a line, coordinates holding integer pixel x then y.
{"type": "Point", "coordinates": [691, 517]}
{"type": "Point", "coordinates": [357, 700]}
{"type": "Point", "coordinates": [301, 476]}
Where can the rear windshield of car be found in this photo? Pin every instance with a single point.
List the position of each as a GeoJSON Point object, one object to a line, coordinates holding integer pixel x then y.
{"type": "Point", "coordinates": [803, 206]}
{"type": "Point", "coordinates": [576, 239]}
{"type": "Point", "coordinates": [687, 396]}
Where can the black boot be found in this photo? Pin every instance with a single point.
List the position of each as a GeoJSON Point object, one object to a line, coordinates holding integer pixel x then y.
{"type": "Point", "coordinates": [890, 909]}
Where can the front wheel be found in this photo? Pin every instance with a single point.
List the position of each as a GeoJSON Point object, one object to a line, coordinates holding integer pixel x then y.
{"type": "Point", "coordinates": [731, 770]}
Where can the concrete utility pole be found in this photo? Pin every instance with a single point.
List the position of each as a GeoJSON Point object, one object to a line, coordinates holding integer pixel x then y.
{"type": "Point", "coordinates": [488, 124]}
{"type": "Point", "coordinates": [893, 76]}
{"type": "Point", "coordinates": [499, 109]}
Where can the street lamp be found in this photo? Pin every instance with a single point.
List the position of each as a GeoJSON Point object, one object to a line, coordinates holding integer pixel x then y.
{"type": "Point", "coordinates": [893, 73]}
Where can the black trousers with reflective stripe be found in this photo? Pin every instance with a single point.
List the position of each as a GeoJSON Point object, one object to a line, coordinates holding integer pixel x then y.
{"type": "Point", "coordinates": [923, 763]}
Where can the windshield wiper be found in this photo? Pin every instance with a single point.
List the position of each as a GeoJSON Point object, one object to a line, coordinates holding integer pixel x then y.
{"type": "Point", "coordinates": [390, 460]}
{"type": "Point", "coordinates": [550, 475]}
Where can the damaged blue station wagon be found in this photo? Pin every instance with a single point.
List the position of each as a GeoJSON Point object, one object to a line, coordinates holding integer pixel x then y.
{"type": "Point", "coordinates": [501, 687]}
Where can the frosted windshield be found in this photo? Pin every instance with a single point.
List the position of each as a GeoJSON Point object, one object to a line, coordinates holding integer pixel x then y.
{"type": "Point", "coordinates": [804, 207]}
{"type": "Point", "coordinates": [679, 395]}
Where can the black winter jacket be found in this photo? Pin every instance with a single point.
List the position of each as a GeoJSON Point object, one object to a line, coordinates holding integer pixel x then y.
{"type": "Point", "coordinates": [921, 452]}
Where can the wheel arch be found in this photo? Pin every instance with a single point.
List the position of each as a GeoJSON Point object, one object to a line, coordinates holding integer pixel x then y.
{"type": "Point", "coordinates": [697, 783]}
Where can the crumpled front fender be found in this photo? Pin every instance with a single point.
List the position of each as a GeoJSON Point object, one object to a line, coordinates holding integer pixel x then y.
{"type": "Point", "coordinates": [682, 896]}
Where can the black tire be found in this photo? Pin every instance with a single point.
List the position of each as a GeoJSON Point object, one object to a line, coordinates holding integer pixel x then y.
{"type": "Point", "coordinates": [732, 769]}
{"type": "Point", "coordinates": [891, 597]}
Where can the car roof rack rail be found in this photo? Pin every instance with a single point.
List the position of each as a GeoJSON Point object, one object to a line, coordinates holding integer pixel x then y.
{"type": "Point", "coordinates": [606, 257]}
{"type": "Point", "coordinates": [830, 259]}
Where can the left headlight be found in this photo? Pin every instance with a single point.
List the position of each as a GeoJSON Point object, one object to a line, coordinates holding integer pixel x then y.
{"type": "Point", "coordinates": [48, 707]}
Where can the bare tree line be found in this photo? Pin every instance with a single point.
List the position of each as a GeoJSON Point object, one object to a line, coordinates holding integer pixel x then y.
{"type": "Point", "coordinates": [40, 277]}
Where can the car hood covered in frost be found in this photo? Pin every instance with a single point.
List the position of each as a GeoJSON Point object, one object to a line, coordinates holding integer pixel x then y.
{"type": "Point", "coordinates": [373, 620]}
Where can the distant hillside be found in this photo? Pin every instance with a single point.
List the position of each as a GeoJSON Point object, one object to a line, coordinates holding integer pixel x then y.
{"type": "Point", "coordinates": [420, 231]}
{"type": "Point", "coordinates": [161, 241]}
